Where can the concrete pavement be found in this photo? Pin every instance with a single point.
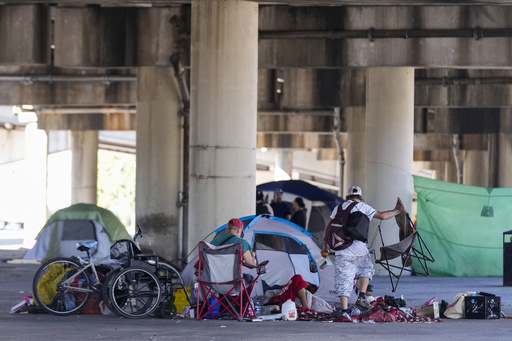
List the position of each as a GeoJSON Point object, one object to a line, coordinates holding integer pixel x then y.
{"type": "Point", "coordinates": [16, 282]}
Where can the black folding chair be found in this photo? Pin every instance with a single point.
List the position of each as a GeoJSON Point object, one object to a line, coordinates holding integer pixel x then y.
{"type": "Point", "coordinates": [410, 246]}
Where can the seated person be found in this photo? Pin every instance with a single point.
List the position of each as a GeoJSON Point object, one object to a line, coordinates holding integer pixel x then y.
{"type": "Point", "coordinates": [235, 229]}
{"type": "Point", "coordinates": [295, 288]}
{"type": "Point", "coordinates": [299, 291]}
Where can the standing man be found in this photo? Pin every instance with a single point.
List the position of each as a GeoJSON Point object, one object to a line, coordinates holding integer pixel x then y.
{"type": "Point", "coordinates": [354, 261]}
{"type": "Point", "coordinates": [280, 208]}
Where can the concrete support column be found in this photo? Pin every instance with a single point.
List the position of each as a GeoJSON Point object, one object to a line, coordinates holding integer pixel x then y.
{"type": "Point", "coordinates": [476, 168]}
{"type": "Point", "coordinates": [442, 170]}
{"type": "Point", "coordinates": [389, 144]}
{"type": "Point", "coordinates": [84, 167]}
{"type": "Point", "coordinates": [505, 160]}
{"type": "Point", "coordinates": [356, 146]}
{"type": "Point", "coordinates": [224, 67]}
{"type": "Point", "coordinates": [505, 149]}
{"type": "Point", "coordinates": [159, 158]}
{"type": "Point", "coordinates": [283, 165]}
{"type": "Point", "coordinates": [36, 156]}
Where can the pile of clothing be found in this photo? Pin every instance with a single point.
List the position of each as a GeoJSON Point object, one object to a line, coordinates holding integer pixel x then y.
{"type": "Point", "coordinates": [387, 309]}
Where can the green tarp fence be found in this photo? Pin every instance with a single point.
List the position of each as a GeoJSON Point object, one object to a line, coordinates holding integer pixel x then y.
{"type": "Point", "coordinates": [463, 226]}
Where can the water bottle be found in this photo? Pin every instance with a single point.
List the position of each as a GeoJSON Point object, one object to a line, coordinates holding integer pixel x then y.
{"type": "Point", "coordinates": [194, 290]}
{"type": "Point", "coordinates": [250, 311]}
{"type": "Point", "coordinates": [257, 309]}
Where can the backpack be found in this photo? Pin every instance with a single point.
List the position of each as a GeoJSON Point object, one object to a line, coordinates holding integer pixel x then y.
{"type": "Point", "coordinates": [357, 226]}
{"type": "Point", "coordinates": [261, 208]}
{"type": "Point", "coordinates": [336, 237]}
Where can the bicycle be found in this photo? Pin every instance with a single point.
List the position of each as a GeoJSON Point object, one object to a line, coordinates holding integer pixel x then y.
{"type": "Point", "coordinates": [63, 286]}
{"type": "Point", "coordinates": [137, 288]}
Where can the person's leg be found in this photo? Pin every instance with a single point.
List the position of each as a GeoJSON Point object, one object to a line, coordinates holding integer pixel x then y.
{"type": "Point", "coordinates": [303, 298]}
{"type": "Point", "coordinates": [363, 285]}
{"type": "Point", "coordinates": [344, 302]}
{"type": "Point", "coordinates": [292, 290]}
{"type": "Point", "coordinates": [365, 272]}
{"type": "Point", "coordinates": [343, 278]}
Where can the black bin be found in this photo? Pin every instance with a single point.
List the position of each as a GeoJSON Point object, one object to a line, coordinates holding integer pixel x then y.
{"type": "Point", "coordinates": [507, 258]}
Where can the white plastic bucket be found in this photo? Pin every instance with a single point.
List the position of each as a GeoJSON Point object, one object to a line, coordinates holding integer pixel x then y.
{"type": "Point", "coordinates": [289, 311]}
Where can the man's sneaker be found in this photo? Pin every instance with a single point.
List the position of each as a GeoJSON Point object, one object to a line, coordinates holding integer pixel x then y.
{"type": "Point", "coordinates": [363, 303]}
{"type": "Point", "coordinates": [347, 316]}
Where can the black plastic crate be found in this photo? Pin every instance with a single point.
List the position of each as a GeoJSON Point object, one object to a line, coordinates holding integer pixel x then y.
{"type": "Point", "coordinates": [482, 307]}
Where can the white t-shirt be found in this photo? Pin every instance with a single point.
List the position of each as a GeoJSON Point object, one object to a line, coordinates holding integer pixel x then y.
{"type": "Point", "coordinates": [358, 248]}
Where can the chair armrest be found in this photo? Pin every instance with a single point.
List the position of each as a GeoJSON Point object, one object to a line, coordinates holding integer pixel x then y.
{"type": "Point", "coordinates": [260, 266]}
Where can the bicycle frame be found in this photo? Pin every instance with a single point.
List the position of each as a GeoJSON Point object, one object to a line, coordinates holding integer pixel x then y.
{"type": "Point", "coordinates": [92, 264]}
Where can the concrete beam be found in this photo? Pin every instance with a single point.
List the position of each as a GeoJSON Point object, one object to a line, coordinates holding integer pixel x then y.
{"type": "Point", "coordinates": [78, 122]}
{"type": "Point", "coordinates": [431, 142]}
{"type": "Point", "coordinates": [296, 141]}
{"type": "Point", "coordinates": [135, 3]}
{"type": "Point", "coordinates": [297, 123]}
{"type": "Point", "coordinates": [68, 93]}
{"type": "Point", "coordinates": [25, 34]}
{"type": "Point", "coordinates": [370, 52]}
{"type": "Point", "coordinates": [113, 37]}
{"type": "Point", "coordinates": [300, 88]}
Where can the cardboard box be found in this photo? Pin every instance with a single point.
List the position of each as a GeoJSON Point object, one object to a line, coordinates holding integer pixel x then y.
{"type": "Point", "coordinates": [482, 307]}
{"type": "Point", "coordinates": [429, 311]}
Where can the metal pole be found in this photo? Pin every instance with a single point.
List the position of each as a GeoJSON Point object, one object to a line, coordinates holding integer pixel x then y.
{"type": "Point", "coordinates": [179, 72]}
{"type": "Point", "coordinates": [371, 34]}
{"type": "Point", "coordinates": [456, 155]}
{"type": "Point", "coordinates": [339, 145]}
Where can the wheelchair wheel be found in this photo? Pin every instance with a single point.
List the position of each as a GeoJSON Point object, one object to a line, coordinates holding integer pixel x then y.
{"type": "Point", "coordinates": [106, 292]}
{"type": "Point", "coordinates": [56, 292]}
{"type": "Point", "coordinates": [167, 308]}
{"type": "Point", "coordinates": [134, 292]}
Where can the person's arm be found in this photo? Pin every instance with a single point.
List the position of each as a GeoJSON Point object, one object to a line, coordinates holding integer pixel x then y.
{"type": "Point", "coordinates": [249, 257]}
{"type": "Point", "coordinates": [270, 209]}
{"type": "Point", "coordinates": [324, 244]}
{"type": "Point", "coordinates": [389, 214]}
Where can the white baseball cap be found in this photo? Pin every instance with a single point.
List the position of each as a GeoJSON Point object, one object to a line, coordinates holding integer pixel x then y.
{"type": "Point", "coordinates": [355, 190]}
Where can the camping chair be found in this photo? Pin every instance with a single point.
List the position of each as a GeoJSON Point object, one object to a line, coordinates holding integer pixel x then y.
{"type": "Point", "coordinates": [222, 287]}
{"type": "Point", "coordinates": [410, 246]}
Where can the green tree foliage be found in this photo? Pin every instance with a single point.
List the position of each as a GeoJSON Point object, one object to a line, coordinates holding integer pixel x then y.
{"type": "Point", "coordinates": [116, 183]}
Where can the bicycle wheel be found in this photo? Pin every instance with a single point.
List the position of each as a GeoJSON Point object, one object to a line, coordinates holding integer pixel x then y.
{"type": "Point", "coordinates": [56, 289]}
{"type": "Point", "coordinates": [134, 292]}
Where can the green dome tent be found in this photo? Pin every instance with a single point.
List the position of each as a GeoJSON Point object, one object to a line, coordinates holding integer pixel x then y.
{"type": "Point", "coordinates": [79, 222]}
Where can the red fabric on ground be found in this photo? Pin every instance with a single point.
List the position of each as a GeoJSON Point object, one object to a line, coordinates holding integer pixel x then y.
{"type": "Point", "coordinates": [290, 290]}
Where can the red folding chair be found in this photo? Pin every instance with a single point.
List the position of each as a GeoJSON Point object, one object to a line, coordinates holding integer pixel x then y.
{"type": "Point", "coordinates": [222, 288]}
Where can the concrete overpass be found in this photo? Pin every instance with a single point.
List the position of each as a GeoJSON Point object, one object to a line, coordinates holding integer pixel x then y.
{"type": "Point", "coordinates": [395, 81]}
